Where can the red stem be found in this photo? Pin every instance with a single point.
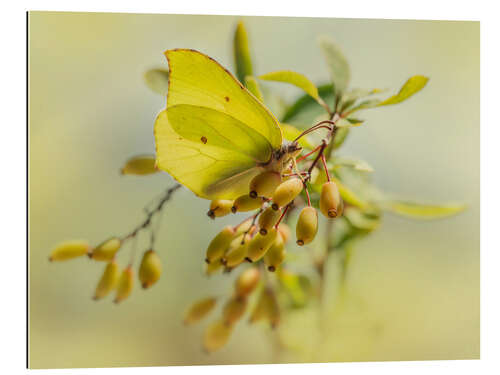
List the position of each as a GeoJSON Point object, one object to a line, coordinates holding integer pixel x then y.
{"type": "Point", "coordinates": [307, 193]}
{"type": "Point", "coordinates": [308, 154]}
{"type": "Point", "coordinates": [282, 216]}
{"type": "Point", "coordinates": [325, 167]}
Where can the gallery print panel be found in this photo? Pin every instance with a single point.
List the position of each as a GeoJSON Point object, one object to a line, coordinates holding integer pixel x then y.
{"type": "Point", "coordinates": [246, 190]}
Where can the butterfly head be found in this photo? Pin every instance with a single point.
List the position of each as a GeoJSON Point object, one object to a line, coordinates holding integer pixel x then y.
{"type": "Point", "coordinates": [292, 149]}
{"type": "Point", "coordinates": [284, 155]}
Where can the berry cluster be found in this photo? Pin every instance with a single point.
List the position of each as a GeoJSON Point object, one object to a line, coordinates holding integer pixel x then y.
{"type": "Point", "coordinates": [265, 308]}
{"type": "Point", "coordinates": [262, 237]}
{"type": "Point", "coordinates": [112, 279]}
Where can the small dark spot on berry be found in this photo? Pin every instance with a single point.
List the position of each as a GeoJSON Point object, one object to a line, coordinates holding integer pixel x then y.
{"type": "Point", "coordinates": [204, 140]}
{"type": "Point", "coordinates": [227, 98]}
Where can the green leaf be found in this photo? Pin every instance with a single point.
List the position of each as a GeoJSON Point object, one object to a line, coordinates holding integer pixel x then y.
{"type": "Point", "coordinates": [349, 196]}
{"type": "Point", "coordinates": [338, 66]}
{"type": "Point", "coordinates": [290, 133]}
{"type": "Point", "coordinates": [371, 103]}
{"type": "Point", "coordinates": [276, 104]}
{"type": "Point", "coordinates": [343, 233]}
{"type": "Point", "coordinates": [348, 122]}
{"type": "Point", "coordinates": [307, 104]}
{"type": "Point", "coordinates": [340, 137]}
{"type": "Point", "coordinates": [157, 80]}
{"type": "Point", "coordinates": [349, 98]}
{"type": "Point", "coordinates": [293, 78]}
{"type": "Point", "coordinates": [423, 211]}
{"type": "Point", "coordinates": [253, 86]}
{"type": "Point", "coordinates": [242, 56]}
{"type": "Point", "coordinates": [411, 87]}
{"type": "Point", "coordinates": [360, 221]}
{"type": "Point", "coordinates": [359, 93]}
{"type": "Point", "coordinates": [359, 165]}
{"type": "Point", "coordinates": [296, 286]}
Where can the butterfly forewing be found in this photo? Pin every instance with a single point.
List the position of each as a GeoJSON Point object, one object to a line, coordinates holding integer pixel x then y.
{"type": "Point", "coordinates": [214, 134]}
{"type": "Point", "coordinates": [199, 80]}
{"type": "Point", "coordinates": [209, 171]}
{"type": "Point", "coordinates": [211, 127]}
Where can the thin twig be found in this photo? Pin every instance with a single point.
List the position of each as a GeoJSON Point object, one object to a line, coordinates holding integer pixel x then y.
{"type": "Point", "coordinates": [149, 216]}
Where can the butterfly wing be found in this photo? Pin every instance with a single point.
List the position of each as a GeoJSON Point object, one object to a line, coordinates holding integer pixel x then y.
{"type": "Point", "coordinates": [214, 134]}
{"type": "Point", "coordinates": [211, 153]}
{"type": "Point", "coordinates": [197, 79]}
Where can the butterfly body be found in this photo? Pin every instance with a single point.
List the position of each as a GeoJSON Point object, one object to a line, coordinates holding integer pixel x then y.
{"type": "Point", "coordinates": [283, 157]}
{"type": "Point", "coordinates": [215, 136]}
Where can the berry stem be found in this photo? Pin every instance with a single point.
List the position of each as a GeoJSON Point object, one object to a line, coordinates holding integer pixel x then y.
{"type": "Point", "coordinates": [308, 154]}
{"type": "Point", "coordinates": [282, 215]}
{"type": "Point", "coordinates": [254, 219]}
{"type": "Point", "coordinates": [307, 194]}
{"type": "Point", "coordinates": [323, 160]}
{"type": "Point", "coordinates": [323, 145]}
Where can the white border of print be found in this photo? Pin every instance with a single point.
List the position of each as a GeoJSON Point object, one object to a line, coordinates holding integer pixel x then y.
{"type": "Point", "coordinates": [13, 149]}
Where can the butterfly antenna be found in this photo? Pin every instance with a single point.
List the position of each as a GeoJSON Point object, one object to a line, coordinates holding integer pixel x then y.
{"type": "Point", "coordinates": [319, 125]}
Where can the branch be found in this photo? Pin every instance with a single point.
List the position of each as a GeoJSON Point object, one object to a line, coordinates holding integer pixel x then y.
{"type": "Point", "coordinates": [149, 216]}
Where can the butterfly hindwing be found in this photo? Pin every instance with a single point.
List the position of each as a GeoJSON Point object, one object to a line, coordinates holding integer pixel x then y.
{"type": "Point", "coordinates": [210, 171]}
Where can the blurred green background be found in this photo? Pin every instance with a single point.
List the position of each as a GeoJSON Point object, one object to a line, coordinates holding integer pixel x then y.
{"type": "Point", "coordinates": [413, 286]}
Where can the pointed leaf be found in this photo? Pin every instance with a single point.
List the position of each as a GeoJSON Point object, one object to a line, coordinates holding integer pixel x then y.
{"type": "Point", "coordinates": [338, 66]}
{"type": "Point", "coordinates": [351, 97]}
{"type": "Point", "coordinates": [276, 104]}
{"type": "Point", "coordinates": [423, 211]}
{"type": "Point", "coordinates": [411, 87]}
{"type": "Point", "coordinates": [242, 57]}
{"type": "Point", "coordinates": [305, 103]}
{"type": "Point", "coordinates": [349, 196]}
{"type": "Point", "coordinates": [253, 86]}
{"type": "Point", "coordinates": [340, 137]}
{"type": "Point", "coordinates": [343, 233]}
{"type": "Point", "coordinates": [348, 123]}
{"type": "Point", "coordinates": [298, 287]}
{"type": "Point", "coordinates": [371, 103]}
{"type": "Point", "coordinates": [157, 80]}
{"type": "Point", "coordinates": [294, 78]}
{"type": "Point", "coordinates": [360, 220]}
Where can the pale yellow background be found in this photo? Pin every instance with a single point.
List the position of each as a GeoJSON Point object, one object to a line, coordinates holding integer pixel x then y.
{"type": "Point", "coordinates": [414, 286]}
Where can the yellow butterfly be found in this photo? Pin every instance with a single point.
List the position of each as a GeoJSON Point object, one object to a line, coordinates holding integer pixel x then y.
{"type": "Point", "coordinates": [215, 136]}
